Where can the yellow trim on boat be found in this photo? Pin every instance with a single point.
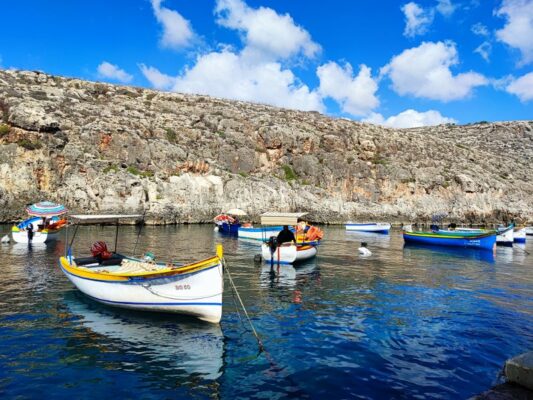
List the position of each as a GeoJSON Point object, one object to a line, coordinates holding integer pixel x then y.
{"type": "Point", "coordinates": [124, 276]}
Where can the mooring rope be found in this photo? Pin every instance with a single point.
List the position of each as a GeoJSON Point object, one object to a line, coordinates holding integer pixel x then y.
{"type": "Point", "coordinates": [259, 341]}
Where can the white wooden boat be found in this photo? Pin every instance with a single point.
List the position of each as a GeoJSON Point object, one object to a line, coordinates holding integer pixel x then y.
{"type": "Point", "coordinates": [377, 227]}
{"type": "Point", "coordinates": [21, 236]}
{"type": "Point", "coordinates": [529, 230]}
{"type": "Point", "coordinates": [195, 289]}
{"type": "Point", "coordinates": [519, 235]}
{"type": "Point", "coordinates": [262, 233]}
{"type": "Point", "coordinates": [46, 210]}
{"type": "Point", "coordinates": [288, 253]}
{"type": "Point", "coordinates": [505, 236]}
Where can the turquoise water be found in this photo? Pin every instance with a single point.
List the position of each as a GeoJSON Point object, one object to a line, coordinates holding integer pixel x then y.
{"type": "Point", "coordinates": [405, 323]}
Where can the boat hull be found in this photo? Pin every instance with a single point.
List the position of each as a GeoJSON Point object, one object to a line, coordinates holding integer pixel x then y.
{"type": "Point", "coordinates": [288, 254]}
{"type": "Point", "coordinates": [198, 294]}
{"type": "Point", "coordinates": [228, 229]}
{"type": "Point", "coordinates": [529, 230]}
{"type": "Point", "coordinates": [519, 235]}
{"type": "Point", "coordinates": [482, 241]}
{"type": "Point", "coordinates": [22, 237]}
{"type": "Point", "coordinates": [505, 237]}
{"type": "Point", "coordinates": [258, 233]}
{"type": "Point", "coordinates": [371, 227]}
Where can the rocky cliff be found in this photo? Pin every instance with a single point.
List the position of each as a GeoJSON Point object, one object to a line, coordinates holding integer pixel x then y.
{"type": "Point", "coordinates": [182, 158]}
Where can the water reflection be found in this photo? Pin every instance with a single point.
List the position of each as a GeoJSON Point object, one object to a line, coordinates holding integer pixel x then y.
{"type": "Point", "coordinates": [194, 347]}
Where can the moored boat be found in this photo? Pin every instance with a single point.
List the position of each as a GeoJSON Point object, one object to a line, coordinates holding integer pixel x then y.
{"type": "Point", "coordinates": [287, 253]}
{"type": "Point", "coordinates": [258, 233]}
{"type": "Point", "coordinates": [376, 227]}
{"type": "Point", "coordinates": [43, 225]}
{"type": "Point", "coordinates": [117, 280]}
{"type": "Point", "coordinates": [505, 236]}
{"type": "Point", "coordinates": [519, 235]}
{"type": "Point", "coordinates": [482, 240]}
{"type": "Point", "coordinates": [228, 222]}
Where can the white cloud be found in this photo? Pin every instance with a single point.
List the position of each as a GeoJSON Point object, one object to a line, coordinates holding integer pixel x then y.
{"type": "Point", "coordinates": [522, 87]}
{"type": "Point", "coordinates": [230, 75]}
{"type": "Point", "coordinates": [267, 34]}
{"type": "Point", "coordinates": [518, 30]}
{"type": "Point", "coordinates": [480, 29]}
{"type": "Point", "coordinates": [410, 119]}
{"type": "Point", "coordinates": [424, 71]}
{"type": "Point", "coordinates": [156, 78]}
{"type": "Point", "coordinates": [417, 20]}
{"type": "Point", "coordinates": [110, 71]}
{"type": "Point", "coordinates": [255, 73]}
{"type": "Point", "coordinates": [446, 7]}
{"type": "Point", "coordinates": [484, 50]}
{"type": "Point", "coordinates": [356, 95]}
{"type": "Point", "coordinates": [177, 31]}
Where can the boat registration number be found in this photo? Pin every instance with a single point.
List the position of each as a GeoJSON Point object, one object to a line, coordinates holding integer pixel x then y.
{"type": "Point", "coordinates": [183, 287]}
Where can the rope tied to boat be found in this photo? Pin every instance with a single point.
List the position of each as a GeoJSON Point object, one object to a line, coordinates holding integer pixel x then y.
{"type": "Point", "coordinates": [258, 339]}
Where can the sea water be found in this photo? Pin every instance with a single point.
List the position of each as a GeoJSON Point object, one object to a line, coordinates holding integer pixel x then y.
{"type": "Point", "coordinates": [405, 323]}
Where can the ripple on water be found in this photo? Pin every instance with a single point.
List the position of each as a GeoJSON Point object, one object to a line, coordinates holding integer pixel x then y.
{"type": "Point", "coordinates": [405, 323]}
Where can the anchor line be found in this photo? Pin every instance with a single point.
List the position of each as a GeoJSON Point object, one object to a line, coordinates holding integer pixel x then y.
{"type": "Point", "coordinates": [259, 341]}
{"type": "Point", "coordinates": [524, 250]}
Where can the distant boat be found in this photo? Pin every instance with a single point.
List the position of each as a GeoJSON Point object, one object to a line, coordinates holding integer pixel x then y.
{"type": "Point", "coordinates": [377, 227]}
{"type": "Point", "coordinates": [519, 235]}
{"type": "Point", "coordinates": [288, 253]}
{"type": "Point", "coordinates": [477, 240]}
{"type": "Point", "coordinates": [43, 225]}
{"type": "Point", "coordinates": [505, 236]}
{"type": "Point", "coordinates": [529, 230]}
{"type": "Point", "coordinates": [258, 233]}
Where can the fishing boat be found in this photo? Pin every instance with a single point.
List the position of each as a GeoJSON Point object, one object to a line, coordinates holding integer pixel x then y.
{"type": "Point", "coordinates": [286, 253]}
{"type": "Point", "coordinates": [529, 230]}
{"type": "Point", "coordinates": [504, 237]}
{"type": "Point", "coordinates": [44, 224]}
{"type": "Point", "coordinates": [258, 233]}
{"type": "Point", "coordinates": [228, 222]}
{"type": "Point", "coordinates": [478, 240]}
{"type": "Point", "coordinates": [141, 283]}
{"type": "Point", "coordinates": [376, 227]}
{"type": "Point", "coordinates": [519, 235]}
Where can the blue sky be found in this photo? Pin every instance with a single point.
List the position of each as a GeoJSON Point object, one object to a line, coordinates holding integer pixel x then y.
{"type": "Point", "coordinates": [389, 62]}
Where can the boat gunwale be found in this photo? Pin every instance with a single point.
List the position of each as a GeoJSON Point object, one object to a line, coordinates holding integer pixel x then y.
{"type": "Point", "coordinates": [443, 236]}
{"type": "Point", "coordinates": [126, 277]}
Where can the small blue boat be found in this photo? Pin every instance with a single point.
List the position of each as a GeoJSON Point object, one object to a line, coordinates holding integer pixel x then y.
{"type": "Point", "coordinates": [484, 240]}
{"type": "Point", "coordinates": [375, 227]}
{"type": "Point", "coordinates": [229, 229]}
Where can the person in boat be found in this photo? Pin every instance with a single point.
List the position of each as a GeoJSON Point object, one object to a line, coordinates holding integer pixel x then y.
{"type": "Point", "coordinates": [30, 232]}
{"type": "Point", "coordinates": [285, 236]}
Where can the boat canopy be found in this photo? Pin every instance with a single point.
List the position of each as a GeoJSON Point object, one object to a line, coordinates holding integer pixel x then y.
{"type": "Point", "coordinates": [236, 211]}
{"type": "Point", "coordinates": [277, 218]}
{"type": "Point", "coordinates": [46, 209]}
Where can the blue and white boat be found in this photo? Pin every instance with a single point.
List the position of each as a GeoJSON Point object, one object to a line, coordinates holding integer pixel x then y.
{"type": "Point", "coordinates": [261, 233]}
{"type": "Point", "coordinates": [519, 235]}
{"type": "Point", "coordinates": [482, 240]}
{"type": "Point", "coordinates": [376, 227]}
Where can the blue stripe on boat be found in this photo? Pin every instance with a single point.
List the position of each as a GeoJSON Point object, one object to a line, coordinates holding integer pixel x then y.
{"type": "Point", "coordinates": [152, 304]}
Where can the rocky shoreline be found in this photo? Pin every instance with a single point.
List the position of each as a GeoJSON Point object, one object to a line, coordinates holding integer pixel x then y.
{"type": "Point", "coordinates": [183, 158]}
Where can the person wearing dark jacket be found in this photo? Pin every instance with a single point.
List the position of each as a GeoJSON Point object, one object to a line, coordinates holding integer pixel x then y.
{"type": "Point", "coordinates": [285, 236]}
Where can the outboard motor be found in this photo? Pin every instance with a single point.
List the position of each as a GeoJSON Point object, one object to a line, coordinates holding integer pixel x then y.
{"type": "Point", "coordinates": [434, 227]}
{"type": "Point", "coordinates": [99, 250]}
{"type": "Point", "coordinates": [273, 245]}
{"type": "Point", "coordinates": [29, 230]}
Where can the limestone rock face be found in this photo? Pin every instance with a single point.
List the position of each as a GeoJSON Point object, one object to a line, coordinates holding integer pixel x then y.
{"type": "Point", "coordinates": [184, 158]}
